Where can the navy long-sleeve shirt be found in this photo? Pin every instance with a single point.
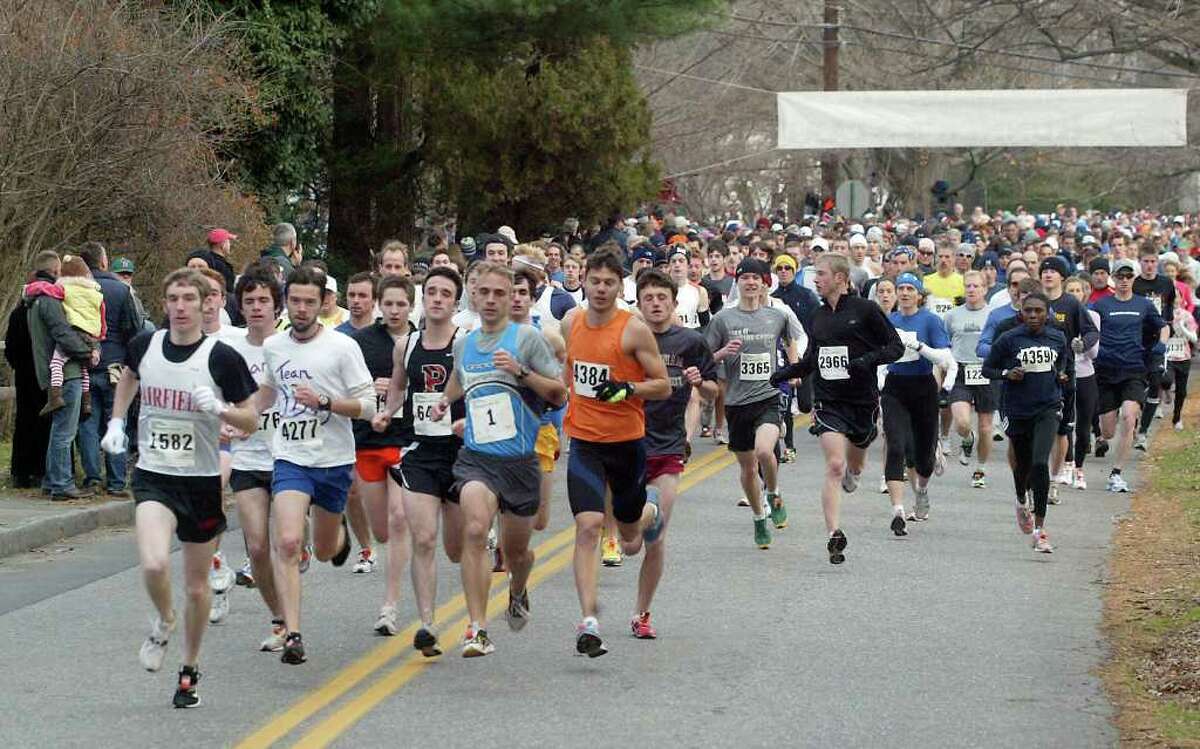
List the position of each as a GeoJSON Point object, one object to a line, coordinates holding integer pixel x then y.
{"type": "Point", "coordinates": [1043, 356]}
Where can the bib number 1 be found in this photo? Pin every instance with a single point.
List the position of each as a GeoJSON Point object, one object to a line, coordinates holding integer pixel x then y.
{"type": "Point", "coordinates": [492, 418]}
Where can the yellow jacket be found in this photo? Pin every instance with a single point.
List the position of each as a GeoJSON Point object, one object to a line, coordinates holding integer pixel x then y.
{"type": "Point", "coordinates": [83, 304]}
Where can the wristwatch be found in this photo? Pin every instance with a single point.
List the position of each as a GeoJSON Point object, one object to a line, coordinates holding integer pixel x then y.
{"type": "Point", "coordinates": [523, 372]}
{"type": "Point", "coordinates": [1004, 373]}
{"type": "Point", "coordinates": [323, 403]}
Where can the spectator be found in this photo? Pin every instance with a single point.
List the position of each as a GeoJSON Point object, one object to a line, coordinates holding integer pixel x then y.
{"type": "Point", "coordinates": [48, 327]}
{"type": "Point", "coordinates": [219, 241]}
{"type": "Point", "coordinates": [285, 250]}
{"type": "Point", "coordinates": [123, 320]}
{"type": "Point", "coordinates": [123, 268]}
{"type": "Point", "coordinates": [31, 433]}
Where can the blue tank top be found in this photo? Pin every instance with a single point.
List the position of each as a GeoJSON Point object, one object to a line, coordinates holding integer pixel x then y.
{"type": "Point", "coordinates": [502, 416]}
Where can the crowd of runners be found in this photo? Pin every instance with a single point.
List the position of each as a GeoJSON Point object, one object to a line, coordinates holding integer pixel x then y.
{"type": "Point", "coordinates": [439, 401]}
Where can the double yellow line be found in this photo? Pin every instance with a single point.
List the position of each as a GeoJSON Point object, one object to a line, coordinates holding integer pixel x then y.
{"type": "Point", "coordinates": [554, 553]}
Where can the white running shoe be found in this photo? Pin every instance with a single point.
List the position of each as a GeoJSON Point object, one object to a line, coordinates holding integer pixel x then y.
{"type": "Point", "coordinates": [849, 481]}
{"type": "Point", "coordinates": [220, 607]}
{"type": "Point", "coordinates": [1052, 496]}
{"type": "Point", "coordinates": [1080, 481]}
{"type": "Point", "coordinates": [979, 479]}
{"type": "Point", "coordinates": [1179, 426]}
{"type": "Point", "coordinates": [943, 446]}
{"type": "Point", "coordinates": [1116, 483]}
{"type": "Point", "coordinates": [275, 641]}
{"type": "Point", "coordinates": [221, 576]}
{"type": "Point", "coordinates": [365, 563]}
{"type": "Point", "coordinates": [306, 555]}
{"type": "Point", "coordinates": [154, 649]}
{"type": "Point", "coordinates": [1139, 442]}
{"type": "Point", "coordinates": [386, 623]}
{"type": "Point", "coordinates": [1064, 476]}
{"type": "Point", "coordinates": [721, 437]}
{"type": "Point", "coordinates": [939, 463]}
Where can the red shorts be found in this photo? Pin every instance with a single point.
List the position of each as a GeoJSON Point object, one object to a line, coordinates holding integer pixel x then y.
{"type": "Point", "coordinates": [663, 465]}
{"type": "Point", "coordinates": [373, 463]}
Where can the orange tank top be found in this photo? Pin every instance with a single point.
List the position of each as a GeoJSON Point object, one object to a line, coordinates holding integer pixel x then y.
{"type": "Point", "coordinates": [594, 355]}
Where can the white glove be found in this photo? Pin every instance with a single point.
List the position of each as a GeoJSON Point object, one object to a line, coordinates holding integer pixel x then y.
{"type": "Point", "coordinates": [912, 345]}
{"type": "Point", "coordinates": [115, 441]}
{"type": "Point", "coordinates": [206, 400]}
{"type": "Point", "coordinates": [1077, 345]}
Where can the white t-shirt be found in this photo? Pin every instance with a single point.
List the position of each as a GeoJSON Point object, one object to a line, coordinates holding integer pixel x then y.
{"type": "Point", "coordinates": [254, 452]}
{"type": "Point", "coordinates": [331, 364]}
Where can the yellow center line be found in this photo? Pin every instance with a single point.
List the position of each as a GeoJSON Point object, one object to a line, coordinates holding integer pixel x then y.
{"type": "Point", "coordinates": [378, 657]}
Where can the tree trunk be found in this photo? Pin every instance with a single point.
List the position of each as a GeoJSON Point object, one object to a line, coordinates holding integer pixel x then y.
{"type": "Point", "coordinates": [350, 195]}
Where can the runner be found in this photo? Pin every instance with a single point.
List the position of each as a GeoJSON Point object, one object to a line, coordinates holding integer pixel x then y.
{"type": "Point", "coordinates": [1085, 386]}
{"type": "Point", "coordinates": [1033, 363]}
{"type": "Point", "coordinates": [613, 365]}
{"type": "Point", "coordinates": [507, 374]}
{"type": "Point", "coordinates": [1130, 326]}
{"type": "Point", "coordinates": [189, 385]}
{"type": "Point", "coordinates": [972, 392]}
{"type": "Point", "coordinates": [744, 338]}
{"type": "Point", "coordinates": [692, 307]}
{"type": "Point", "coordinates": [318, 380]}
{"type": "Point", "coordinates": [421, 367]}
{"type": "Point", "coordinates": [690, 367]}
{"type": "Point", "coordinates": [378, 450]}
{"type": "Point", "coordinates": [1160, 290]}
{"type": "Point", "coordinates": [850, 338]}
{"type": "Point", "coordinates": [1181, 346]}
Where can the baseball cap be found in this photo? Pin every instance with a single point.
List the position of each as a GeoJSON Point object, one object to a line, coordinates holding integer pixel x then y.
{"type": "Point", "coordinates": [966, 249]}
{"type": "Point", "coordinates": [857, 229]}
{"type": "Point", "coordinates": [787, 260]}
{"type": "Point", "coordinates": [217, 236]}
{"type": "Point", "coordinates": [644, 254]}
{"type": "Point", "coordinates": [1125, 264]}
{"type": "Point", "coordinates": [1051, 242]}
{"type": "Point", "coordinates": [910, 279]}
{"type": "Point", "coordinates": [805, 232]}
{"type": "Point", "coordinates": [1087, 240]}
{"type": "Point", "coordinates": [858, 240]}
{"type": "Point", "coordinates": [926, 244]}
{"type": "Point", "coordinates": [678, 250]}
{"type": "Point", "coordinates": [751, 265]}
{"type": "Point", "coordinates": [1178, 220]}
{"type": "Point", "coordinates": [820, 243]}
{"type": "Point", "coordinates": [331, 284]}
{"type": "Point", "coordinates": [508, 234]}
{"type": "Point", "coordinates": [122, 265]}
{"type": "Point", "coordinates": [1056, 264]}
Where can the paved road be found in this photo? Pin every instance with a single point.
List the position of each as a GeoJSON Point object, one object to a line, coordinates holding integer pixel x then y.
{"type": "Point", "coordinates": [958, 635]}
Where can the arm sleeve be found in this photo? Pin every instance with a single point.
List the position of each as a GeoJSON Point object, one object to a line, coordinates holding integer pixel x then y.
{"type": "Point", "coordinates": [229, 371]}
{"type": "Point", "coordinates": [1087, 329]}
{"type": "Point", "coordinates": [65, 337]}
{"type": "Point", "coordinates": [796, 331]}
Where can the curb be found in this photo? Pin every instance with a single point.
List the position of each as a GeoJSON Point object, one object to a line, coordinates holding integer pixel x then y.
{"type": "Point", "coordinates": [49, 530]}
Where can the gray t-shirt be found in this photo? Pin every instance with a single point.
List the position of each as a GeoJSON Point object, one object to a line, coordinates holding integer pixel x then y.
{"type": "Point", "coordinates": [532, 350]}
{"type": "Point", "coordinates": [964, 326]}
{"type": "Point", "coordinates": [761, 331]}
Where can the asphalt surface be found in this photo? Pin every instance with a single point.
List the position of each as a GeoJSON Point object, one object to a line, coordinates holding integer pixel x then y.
{"type": "Point", "coordinates": [958, 635]}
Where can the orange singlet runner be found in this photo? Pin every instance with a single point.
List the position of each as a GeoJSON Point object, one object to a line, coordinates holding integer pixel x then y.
{"type": "Point", "coordinates": [594, 355]}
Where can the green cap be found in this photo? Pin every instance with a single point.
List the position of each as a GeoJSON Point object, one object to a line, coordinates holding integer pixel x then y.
{"type": "Point", "coordinates": [122, 265]}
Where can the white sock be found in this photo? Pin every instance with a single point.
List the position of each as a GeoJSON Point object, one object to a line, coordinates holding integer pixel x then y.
{"type": "Point", "coordinates": [764, 514]}
{"type": "Point", "coordinates": [897, 509]}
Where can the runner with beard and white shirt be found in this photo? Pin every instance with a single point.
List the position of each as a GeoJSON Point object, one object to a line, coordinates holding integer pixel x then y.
{"type": "Point", "coordinates": [972, 392]}
{"type": "Point", "coordinates": [318, 381]}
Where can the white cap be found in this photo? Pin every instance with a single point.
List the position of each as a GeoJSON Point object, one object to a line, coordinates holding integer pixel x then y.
{"type": "Point", "coordinates": [1178, 220]}
{"type": "Point", "coordinates": [857, 229]}
{"type": "Point", "coordinates": [875, 234]}
{"type": "Point", "coordinates": [858, 240]}
{"type": "Point", "coordinates": [776, 228]}
{"type": "Point", "coordinates": [806, 232]}
{"type": "Point", "coordinates": [508, 233]}
{"type": "Point", "coordinates": [1088, 239]}
{"type": "Point", "coordinates": [681, 222]}
{"type": "Point", "coordinates": [822, 243]}
{"type": "Point", "coordinates": [331, 284]}
{"type": "Point", "coordinates": [1051, 242]}
{"type": "Point", "coordinates": [925, 243]}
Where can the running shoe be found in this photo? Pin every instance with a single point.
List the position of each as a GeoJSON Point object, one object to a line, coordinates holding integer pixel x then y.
{"type": "Point", "coordinates": [1041, 543]}
{"type": "Point", "coordinates": [1179, 426]}
{"type": "Point", "coordinates": [365, 563]}
{"type": "Point", "coordinates": [220, 577]}
{"type": "Point", "coordinates": [1101, 447]}
{"type": "Point", "coordinates": [154, 649]}
{"type": "Point", "coordinates": [654, 530]}
{"type": "Point", "coordinates": [706, 432]}
{"type": "Point", "coordinates": [610, 552]}
{"type": "Point", "coordinates": [477, 644]}
{"type": "Point", "coordinates": [275, 641]}
{"type": "Point", "coordinates": [687, 451]}
{"type": "Point", "coordinates": [293, 650]}
{"type": "Point", "coordinates": [219, 608]}
{"type": "Point", "coordinates": [492, 542]}
{"type": "Point", "coordinates": [968, 446]}
{"type": "Point", "coordinates": [762, 533]}
{"type": "Point", "coordinates": [883, 486]}
{"type": "Point", "coordinates": [943, 446]}
{"type": "Point", "coordinates": [922, 503]}
{"type": "Point", "coordinates": [789, 455]}
{"type": "Point", "coordinates": [343, 553]}
{"type": "Point", "coordinates": [517, 612]}
{"type": "Point", "coordinates": [185, 691]}
{"type": "Point", "coordinates": [1065, 476]}
{"type": "Point", "coordinates": [779, 516]}
{"type": "Point", "coordinates": [1116, 483]}
{"type": "Point", "coordinates": [426, 641]}
{"type": "Point", "coordinates": [899, 527]}
{"type": "Point", "coordinates": [1159, 414]}
{"type": "Point", "coordinates": [1139, 442]}
{"type": "Point", "coordinates": [386, 624]}
{"type": "Point", "coordinates": [939, 463]}
{"type": "Point", "coordinates": [1052, 496]}
{"type": "Point", "coordinates": [1024, 519]}
{"type": "Point", "coordinates": [850, 481]}
{"type": "Point", "coordinates": [1080, 481]}
{"type": "Point", "coordinates": [306, 555]}
{"type": "Point", "coordinates": [244, 576]}
{"type": "Point", "coordinates": [587, 638]}
{"type": "Point", "coordinates": [836, 546]}
{"type": "Point", "coordinates": [979, 479]}
{"type": "Point", "coordinates": [743, 502]}
{"type": "Point", "coordinates": [722, 437]}
{"type": "Point", "coordinates": [641, 627]}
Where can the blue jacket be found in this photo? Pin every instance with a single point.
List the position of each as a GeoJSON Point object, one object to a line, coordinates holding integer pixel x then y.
{"type": "Point", "coordinates": [995, 317]}
{"type": "Point", "coordinates": [803, 302]}
{"type": "Point", "coordinates": [121, 317]}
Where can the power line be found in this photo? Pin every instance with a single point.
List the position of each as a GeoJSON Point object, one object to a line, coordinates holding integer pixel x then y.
{"type": "Point", "coordinates": [726, 162]}
{"type": "Point", "coordinates": [704, 80]}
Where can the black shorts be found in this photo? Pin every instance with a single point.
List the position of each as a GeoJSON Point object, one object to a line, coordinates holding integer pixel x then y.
{"type": "Point", "coordinates": [240, 481]}
{"type": "Point", "coordinates": [619, 466]}
{"type": "Point", "coordinates": [1113, 394]}
{"type": "Point", "coordinates": [858, 422]}
{"type": "Point", "coordinates": [426, 468]}
{"type": "Point", "coordinates": [195, 501]}
{"type": "Point", "coordinates": [981, 397]}
{"type": "Point", "coordinates": [745, 420]}
{"type": "Point", "coordinates": [516, 482]}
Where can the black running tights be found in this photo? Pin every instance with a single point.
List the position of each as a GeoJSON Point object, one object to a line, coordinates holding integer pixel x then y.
{"type": "Point", "coordinates": [1179, 370]}
{"type": "Point", "coordinates": [910, 421]}
{"type": "Point", "coordinates": [1032, 439]}
{"type": "Point", "coordinates": [1086, 397]}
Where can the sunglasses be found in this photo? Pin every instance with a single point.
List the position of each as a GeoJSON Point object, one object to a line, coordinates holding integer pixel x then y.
{"type": "Point", "coordinates": [965, 254]}
{"type": "Point", "coordinates": [779, 268]}
{"type": "Point", "coordinates": [924, 252]}
{"type": "Point", "coordinates": [1123, 274]}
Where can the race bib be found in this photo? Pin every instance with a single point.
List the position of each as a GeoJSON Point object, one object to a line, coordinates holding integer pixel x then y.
{"type": "Point", "coordinates": [423, 421]}
{"type": "Point", "coordinates": [755, 367]}
{"type": "Point", "coordinates": [492, 418]}
{"type": "Point", "coordinates": [268, 422]}
{"type": "Point", "coordinates": [973, 375]}
{"type": "Point", "coordinates": [690, 320]}
{"type": "Point", "coordinates": [173, 443]}
{"type": "Point", "coordinates": [1177, 349]}
{"type": "Point", "coordinates": [833, 362]}
{"type": "Point", "coordinates": [940, 305]}
{"type": "Point", "coordinates": [1037, 358]}
{"type": "Point", "coordinates": [908, 338]}
{"type": "Point", "coordinates": [587, 376]}
{"type": "Point", "coordinates": [302, 432]}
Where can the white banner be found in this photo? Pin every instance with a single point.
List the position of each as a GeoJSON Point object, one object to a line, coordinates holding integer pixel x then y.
{"type": "Point", "coordinates": [959, 119]}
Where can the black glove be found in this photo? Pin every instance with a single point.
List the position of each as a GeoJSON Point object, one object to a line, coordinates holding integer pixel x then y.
{"type": "Point", "coordinates": [613, 391]}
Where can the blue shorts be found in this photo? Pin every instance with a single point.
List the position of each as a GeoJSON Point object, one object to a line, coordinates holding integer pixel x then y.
{"type": "Point", "coordinates": [327, 487]}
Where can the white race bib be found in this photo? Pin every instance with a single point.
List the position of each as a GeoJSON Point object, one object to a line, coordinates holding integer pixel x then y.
{"type": "Point", "coordinates": [381, 401]}
{"type": "Point", "coordinates": [973, 375]}
{"type": "Point", "coordinates": [834, 362]}
{"type": "Point", "coordinates": [940, 305]}
{"type": "Point", "coordinates": [268, 422]}
{"type": "Point", "coordinates": [908, 338]}
{"type": "Point", "coordinates": [755, 367]}
{"type": "Point", "coordinates": [690, 320]}
{"type": "Point", "coordinates": [423, 422]}
{"type": "Point", "coordinates": [1177, 349]}
{"type": "Point", "coordinates": [304, 432]}
{"type": "Point", "coordinates": [492, 418]}
{"type": "Point", "coordinates": [1037, 358]}
{"type": "Point", "coordinates": [173, 442]}
{"type": "Point", "coordinates": [587, 376]}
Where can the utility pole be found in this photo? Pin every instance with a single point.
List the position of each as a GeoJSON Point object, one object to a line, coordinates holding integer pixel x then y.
{"type": "Point", "coordinates": [829, 66]}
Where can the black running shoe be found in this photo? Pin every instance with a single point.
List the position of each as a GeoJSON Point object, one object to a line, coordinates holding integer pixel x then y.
{"type": "Point", "coordinates": [344, 553]}
{"type": "Point", "coordinates": [898, 526]}
{"type": "Point", "coordinates": [1101, 447]}
{"type": "Point", "coordinates": [427, 643]}
{"type": "Point", "coordinates": [837, 545]}
{"type": "Point", "coordinates": [185, 693]}
{"type": "Point", "coordinates": [293, 650]}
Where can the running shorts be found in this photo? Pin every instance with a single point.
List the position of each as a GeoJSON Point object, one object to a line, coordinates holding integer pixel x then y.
{"type": "Point", "coordinates": [981, 397]}
{"type": "Point", "coordinates": [546, 447]}
{"type": "Point", "coordinates": [617, 466]}
{"type": "Point", "coordinates": [745, 420]}
{"type": "Point", "coordinates": [1113, 394]}
{"type": "Point", "coordinates": [663, 465]}
{"type": "Point", "coordinates": [858, 422]}
{"type": "Point", "coordinates": [240, 481]}
{"type": "Point", "coordinates": [516, 482]}
{"type": "Point", "coordinates": [326, 487]}
{"type": "Point", "coordinates": [426, 468]}
{"type": "Point", "coordinates": [195, 501]}
{"type": "Point", "coordinates": [372, 463]}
